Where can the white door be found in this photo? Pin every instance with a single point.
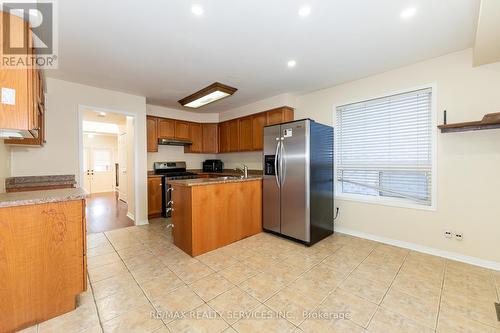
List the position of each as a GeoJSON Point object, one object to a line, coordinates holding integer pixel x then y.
{"type": "Point", "coordinates": [122, 167]}
{"type": "Point", "coordinates": [99, 175]}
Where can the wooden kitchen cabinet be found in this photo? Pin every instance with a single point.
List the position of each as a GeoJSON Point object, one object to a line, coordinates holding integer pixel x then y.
{"type": "Point", "coordinates": [43, 262]}
{"type": "Point", "coordinates": [279, 115]}
{"type": "Point", "coordinates": [258, 122]}
{"type": "Point", "coordinates": [234, 133]}
{"type": "Point", "coordinates": [181, 130]}
{"type": "Point", "coordinates": [154, 197]}
{"type": "Point", "coordinates": [210, 138]}
{"type": "Point", "coordinates": [152, 134]}
{"type": "Point", "coordinates": [196, 136]}
{"type": "Point", "coordinates": [19, 112]}
{"type": "Point", "coordinates": [245, 134]}
{"type": "Point", "coordinates": [166, 128]}
{"type": "Point", "coordinates": [224, 137]}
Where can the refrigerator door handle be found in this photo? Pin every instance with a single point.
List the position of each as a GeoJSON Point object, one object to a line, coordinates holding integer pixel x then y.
{"type": "Point", "coordinates": [282, 162]}
{"type": "Point", "coordinates": [276, 164]}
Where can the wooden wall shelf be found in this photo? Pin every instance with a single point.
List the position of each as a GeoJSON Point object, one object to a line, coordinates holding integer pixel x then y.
{"type": "Point", "coordinates": [489, 121]}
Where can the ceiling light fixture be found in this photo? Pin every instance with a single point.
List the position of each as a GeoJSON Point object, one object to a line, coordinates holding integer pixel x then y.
{"type": "Point", "coordinates": [291, 63]}
{"type": "Point", "coordinates": [102, 114]}
{"type": "Point", "coordinates": [408, 12]}
{"type": "Point", "coordinates": [210, 94]}
{"type": "Point", "coordinates": [304, 10]}
{"type": "Point", "coordinates": [197, 10]}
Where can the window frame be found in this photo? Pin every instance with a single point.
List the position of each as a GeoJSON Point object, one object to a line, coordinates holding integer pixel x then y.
{"type": "Point", "coordinates": [388, 201]}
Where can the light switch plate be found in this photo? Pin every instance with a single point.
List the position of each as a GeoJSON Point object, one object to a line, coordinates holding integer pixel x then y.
{"type": "Point", "coordinates": [8, 96]}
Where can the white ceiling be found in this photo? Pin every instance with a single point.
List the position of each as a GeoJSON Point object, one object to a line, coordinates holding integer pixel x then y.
{"type": "Point", "coordinates": [160, 50]}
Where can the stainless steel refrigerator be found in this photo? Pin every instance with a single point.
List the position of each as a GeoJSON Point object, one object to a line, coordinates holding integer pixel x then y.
{"type": "Point", "coordinates": [298, 180]}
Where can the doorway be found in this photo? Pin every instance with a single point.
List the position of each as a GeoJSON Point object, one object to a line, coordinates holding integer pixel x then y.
{"type": "Point", "coordinates": [107, 153]}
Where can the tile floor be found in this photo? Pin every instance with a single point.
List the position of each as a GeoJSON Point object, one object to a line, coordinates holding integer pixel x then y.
{"type": "Point", "coordinates": [140, 282]}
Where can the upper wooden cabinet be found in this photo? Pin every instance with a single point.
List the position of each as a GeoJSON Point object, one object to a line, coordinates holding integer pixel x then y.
{"type": "Point", "coordinates": [234, 135]}
{"type": "Point", "coordinates": [279, 115]}
{"type": "Point", "coordinates": [196, 136]}
{"type": "Point", "coordinates": [210, 140]}
{"type": "Point", "coordinates": [152, 134]}
{"type": "Point", "coordinates": [224, 137]}
{"type": "Point", "coordinates": [19, 107]}
{"type": "Point", "coordinates": [258, 122]}
{"type": "Point", "coordinates": [166, 128]}
{"type": "Point", "coordinates": [240, 134]}
{"type": "Point", "coordinates": [181, 129]}
{"type": "Point", "coordinates": [245, 134]}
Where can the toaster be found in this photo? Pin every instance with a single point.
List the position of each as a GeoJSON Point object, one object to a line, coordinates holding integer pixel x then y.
{"type": "Point", "coordinates": [213, 166]}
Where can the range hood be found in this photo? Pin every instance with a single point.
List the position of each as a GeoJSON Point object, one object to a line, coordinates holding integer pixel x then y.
{"type": "Point", "coordinates": [174, 142]}
{"type": "Point", "coordinates": [6, 133]}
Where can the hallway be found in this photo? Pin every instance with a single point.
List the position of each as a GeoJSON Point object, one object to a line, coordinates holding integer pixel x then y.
{"type": "Point", "coordinates": [105, 212]}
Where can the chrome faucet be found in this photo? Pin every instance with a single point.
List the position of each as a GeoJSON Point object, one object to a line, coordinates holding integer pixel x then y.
{"type": "Point", "coordinates": [244, 170]}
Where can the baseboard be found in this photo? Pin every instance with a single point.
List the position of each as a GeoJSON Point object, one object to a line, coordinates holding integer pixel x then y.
{"type": "Point", "coordinates": [131, 216]}
{"type": "Point", "coordinates": [420, 248]}
{"type": "Point", "coordinates": [142, 222]}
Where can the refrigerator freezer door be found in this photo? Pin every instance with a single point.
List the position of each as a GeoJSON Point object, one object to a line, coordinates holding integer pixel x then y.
{"type": "Point", "coordinates": [295, 180]}
{"type": "Point", "coordinates": [271, 191]}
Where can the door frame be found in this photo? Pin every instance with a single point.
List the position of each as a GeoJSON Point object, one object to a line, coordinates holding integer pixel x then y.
{"type": "Point", "coordinates": [81, 109]}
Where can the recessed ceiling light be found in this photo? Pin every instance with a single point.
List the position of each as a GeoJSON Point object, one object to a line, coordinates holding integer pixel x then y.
{"type": "Point", "coordinates": [304, 10]}
{"type": "Point", "coordinates": [197, 10]}
{"type": "Point", "coordinates": [291, 63]}
{"type": "Point", "coordinates": [408, 12]}
{"type": "Point", "coordinates": [210, 94]}
{"type": "Point", "coordinates": [102, 114]}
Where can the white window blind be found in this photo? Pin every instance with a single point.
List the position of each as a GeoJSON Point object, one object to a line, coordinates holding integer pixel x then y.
{"type": "Point", "coordinates": [384, 147]}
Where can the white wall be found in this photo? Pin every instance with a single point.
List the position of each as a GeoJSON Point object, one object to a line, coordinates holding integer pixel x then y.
{"type": "Point", "coordinates": [4, 165]}
{"type": "Point", "coordinates": [199, 117]}
{"type": "Point", "coordinates": [468, 182]}
{"type": "Point", "coordinates": [61, 154]}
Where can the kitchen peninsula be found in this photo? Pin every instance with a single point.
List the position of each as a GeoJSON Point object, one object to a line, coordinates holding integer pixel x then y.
{"type": "Point", "coordinates": [209, 213]}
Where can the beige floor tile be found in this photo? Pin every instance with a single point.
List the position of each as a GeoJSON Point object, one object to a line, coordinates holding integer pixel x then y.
{"type": "Point", "coordinates": [422, 288]}
{"type": "Point", "coordinates": [386, 321]}
{"type": "Point", "coordinates": [138, 320]}
{"type": "Point", "coordinates": [104, 272]}
{"type": "Point", "coordinates": [162, 329]}
{"type": "Point", "coordinates": [117, 304]}
{"type": "Point", "coordinates": [211, 286]}
{"type": "Point", "coordinates": [481, 310]}
{"type": "Point", "coordinates": [192, 272]}
{"type": "Point", "coordinates": [96, 240]}
{"type": "Point", "coordinates": [31, 329]}
{"type": "Point", "coordinates": [450, 321]}
{"type": "Point", "coordinates": [313, 288]}
{"type": "Point", "coordinates": [142, 260]}
{"type": "Point", "coordinates": [106, 248]}
{"type": "Point", "coordinates": [378, 272]}
{"type": "Point", "coordinates": [303, 261]}
{"type": "Point", "coordinates": [261, 286]}
{"type": "Point", "coordinates": [473, 288]}
{"type": "Point", "coordinates": [330, 326]}
{"type": "Point", "coordinates": [81, 318]}
{"type": "Point", "coordinates": [360, 311]}
{"type": "Point", "coordinates": [113, 285]}
{"type": "Point", "coordinates": [93, 329]}
{"type": "Point", "coordinates": [161, 284]}
{"type": "Point", "coordinates": [238, 272]}
{"type": "Point", "coordinates": [370, 290]}
{"type": "Point", "coordinates": [102, 260]}
{"type": "Point", "coordinates": [233, 304]}
{"type": "Point", "coordinates": [421, 310]}
{"type": "Point", "coordinates": [293, 303]}
{"type": "Point", "coordinates": [174, 303]}
{"type": "Point", "coordinates": [133, 251]}
{"type": "Point", "coordinates": [201, 320]}
{"type": "Point", "coordinates": [263, 320]}
{"type": "Point", "coordinates": [342, 263]}
{"type": "Point", "coordinates": [216, 260]}
{"type": "Point", "coordinates": [149, 272]}
{"type": "Point", "coordinates": [423, 272]}
{"type": "Point", "coordinates": [177, 258]}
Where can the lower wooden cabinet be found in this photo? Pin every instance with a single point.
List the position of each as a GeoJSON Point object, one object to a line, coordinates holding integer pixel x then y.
{"type": "Point", "coordinates": [154, 197]}
{"type": "Point", "coordinates": [42, 262]}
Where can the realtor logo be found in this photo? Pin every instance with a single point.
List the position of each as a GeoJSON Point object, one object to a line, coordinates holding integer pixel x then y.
{"type": "Point", "coordinates": [36, 46]}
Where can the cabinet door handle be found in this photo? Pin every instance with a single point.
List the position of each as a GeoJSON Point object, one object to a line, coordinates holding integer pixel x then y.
{"type": "Point", "coordinates": [170, 203]}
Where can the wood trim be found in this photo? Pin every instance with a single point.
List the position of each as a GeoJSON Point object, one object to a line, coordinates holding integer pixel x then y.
{"type": "Point", "coordinates": [208, 90]}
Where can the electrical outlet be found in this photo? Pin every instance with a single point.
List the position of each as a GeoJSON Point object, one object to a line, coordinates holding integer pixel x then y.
{"type": "Point", "coordinates": [448, 234]}
{"type": "Point", "coordinates": [459, 236]}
